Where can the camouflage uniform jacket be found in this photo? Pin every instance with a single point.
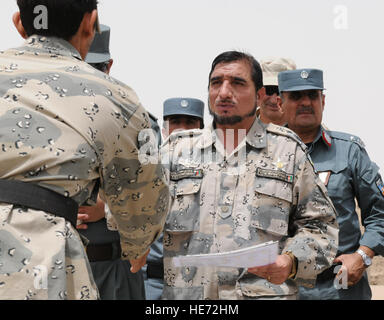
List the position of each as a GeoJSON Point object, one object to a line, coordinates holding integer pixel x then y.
{"type": "Point", "coordinates": [223, 203]}
{"type": "Point", "coordinates": [63, 126]}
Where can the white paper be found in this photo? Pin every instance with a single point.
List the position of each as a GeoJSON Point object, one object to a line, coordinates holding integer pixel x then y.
{"type": "Point", "coordinates": [255, 256]}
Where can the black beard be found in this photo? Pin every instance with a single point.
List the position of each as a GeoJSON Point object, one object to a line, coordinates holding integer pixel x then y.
{"type": "Point", "coordinates": [223, 120]}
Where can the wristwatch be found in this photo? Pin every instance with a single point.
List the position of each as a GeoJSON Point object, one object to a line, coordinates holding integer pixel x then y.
{"type": "Point", "coordinates": [367, 260]}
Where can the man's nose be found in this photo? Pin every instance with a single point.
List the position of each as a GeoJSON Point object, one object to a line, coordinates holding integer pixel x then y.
{"type": "Point", "coordinates": [225, 90]}
{"type": "Point", "coordinates": [305, 100]}
{"type": "Point", "coordinates": [273, 99]}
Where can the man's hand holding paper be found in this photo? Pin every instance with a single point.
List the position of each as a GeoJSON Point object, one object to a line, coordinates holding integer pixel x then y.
{"type": "Point", "coordinates": [276, 273]}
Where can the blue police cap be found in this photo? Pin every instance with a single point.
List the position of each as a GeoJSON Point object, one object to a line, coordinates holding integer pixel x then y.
{"type": "Point", "coordinates": [99, 50]}
{"type": "Point", "coordinates": [301, 79]}
{"type": "Point", "coordinates": [184, 106]}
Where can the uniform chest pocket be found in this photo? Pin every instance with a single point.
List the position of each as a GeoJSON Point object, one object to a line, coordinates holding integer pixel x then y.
{"type": "Point", "coordinates": [271, 205]}
{"type": "Point", "coordinates": [185, 209]}
{"type": "Point", "coordinates": [335, 177]}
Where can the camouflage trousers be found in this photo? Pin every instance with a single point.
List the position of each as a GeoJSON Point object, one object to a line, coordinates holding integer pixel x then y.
{"type": "Point", "coordinates": [42, 257]}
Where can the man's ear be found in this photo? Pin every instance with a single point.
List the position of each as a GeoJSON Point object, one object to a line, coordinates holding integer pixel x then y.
{"type": "Point", "coordinates": [109, 66]}
{"type": "Point", "coordinates": [260, 93]}
{"type": "Point", "coordinates": [85, 33]}
{"type": "Point", "coordinates": [279, 102]}
{"type": "Point", "coordinates": [322, 101]}
{"type": "Point", "coordinates": [88, 23]}
{"type": "Point", "coordinates": [19, 26]}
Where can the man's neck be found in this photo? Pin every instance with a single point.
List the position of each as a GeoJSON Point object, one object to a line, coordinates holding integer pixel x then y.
{"type": "Point", "coordinates": [233, 135]}
{"type": "Point", "coordinates": [279, 122]}
{"type": "Point", "coordinates": [306, 135]}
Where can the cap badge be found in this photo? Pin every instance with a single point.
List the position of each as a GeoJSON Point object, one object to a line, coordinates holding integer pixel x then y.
{"type": "Point", "coordinates": [304, 74]}
{"type": "Point", "coordinates": [184, 103]}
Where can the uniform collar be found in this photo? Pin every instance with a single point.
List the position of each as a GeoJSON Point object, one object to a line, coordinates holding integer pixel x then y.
{"type": "Point", "coordinates": [51, 45]}
{"type": "Point", "coordinates": [256, 137]}
{"type": "Point", "coordinates": [324, 136]}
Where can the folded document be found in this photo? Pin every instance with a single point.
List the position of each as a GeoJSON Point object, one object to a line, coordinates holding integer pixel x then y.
{"type": "Point", "coordinates": [255, 256]}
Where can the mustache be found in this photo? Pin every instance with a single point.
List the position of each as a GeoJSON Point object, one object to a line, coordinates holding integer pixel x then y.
{"type": "Point", "coordinates": [226, 101]}
{"type": "Point", "coordinates": [304, 109]}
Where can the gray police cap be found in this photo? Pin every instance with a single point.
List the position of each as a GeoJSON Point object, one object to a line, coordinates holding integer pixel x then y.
{"type": "Point", "coordinates": [301, 79]}
{"type": "Point", "coordinates": [183, 106]}
{"type": "Point", "coordinates": [99, 50]}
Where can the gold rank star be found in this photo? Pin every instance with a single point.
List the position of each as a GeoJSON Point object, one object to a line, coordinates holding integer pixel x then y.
{"type": "Point", "coordinates": [279, 164]}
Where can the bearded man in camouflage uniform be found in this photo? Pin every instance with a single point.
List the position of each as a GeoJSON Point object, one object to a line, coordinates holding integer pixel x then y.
{"type": "Point", "coordinates": [241, 183]}
{"type": "Point", "coordinates": [65, 129]}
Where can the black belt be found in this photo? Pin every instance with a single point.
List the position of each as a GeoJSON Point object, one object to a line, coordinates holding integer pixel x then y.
{"type": "Point", "coordinates": [327, 274]}
{"type": "Point", "coordinates": [103, 252]}
{"type": "Point", "coordinates": [155, 270]}
{"type": "Point", "coordinates": [35, 197]}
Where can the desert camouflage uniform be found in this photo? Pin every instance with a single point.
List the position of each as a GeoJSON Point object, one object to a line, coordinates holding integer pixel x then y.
{"type": "Point", "coordinates": [222, 203]}
{"type": "Point", "coordinates": [63, 124]}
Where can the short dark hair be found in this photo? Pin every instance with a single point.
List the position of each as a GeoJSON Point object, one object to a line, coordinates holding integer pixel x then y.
{"type": "Point", "coordinates": [230, 56]}
{"type": "Point", "coordinates": [64, 16]}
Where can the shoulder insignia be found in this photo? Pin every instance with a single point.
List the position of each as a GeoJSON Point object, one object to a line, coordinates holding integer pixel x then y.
{"type": "Point", "coordinates": [347, 137]}
{"type": "Point", "coordinates": [358, 141]}
{"type": "Point", "coordinates": [380, 186]}
{"type": "Point", "coordinates": [284, 131]}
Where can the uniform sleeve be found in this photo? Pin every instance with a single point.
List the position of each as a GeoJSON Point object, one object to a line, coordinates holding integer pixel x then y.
{"type": "Point", "coordinates": [135, 191]}
{"type": "Point", "coordinates": [313, 229]}
{"type": "Point", "coordinates": [368, 186]}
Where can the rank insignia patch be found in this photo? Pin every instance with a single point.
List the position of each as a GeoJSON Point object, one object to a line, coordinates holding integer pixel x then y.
{"type": "Point", "coordinates": [324, 177]}
{"type": "Point", "coordinates": [274, 174]}
{"type": "Point", "coordinates": [187, 173]}
{"type": "Point", "coordinates": [380, 185]}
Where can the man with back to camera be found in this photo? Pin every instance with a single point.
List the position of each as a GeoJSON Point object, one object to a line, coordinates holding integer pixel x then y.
{"type": "Point", "coordinates": [58, 144]}
{"type": "Point", "coordinates": [222, 202]}
{"type": "Point", "coordinates": [348, 173]}
{"type": "Point", "coordinates": [268, 110]}
{"type": "Point", "coordinates": [178, 114]}
{"type": "Point", "coordinates": [112, 275]}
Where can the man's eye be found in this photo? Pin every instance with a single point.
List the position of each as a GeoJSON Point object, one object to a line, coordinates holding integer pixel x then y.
{"type": "Point", "coordinates": [313, 95]}
{"type": "Point", "coordinates": [239, 83]}
{"type": "Point", "coordinates": [295, 95]}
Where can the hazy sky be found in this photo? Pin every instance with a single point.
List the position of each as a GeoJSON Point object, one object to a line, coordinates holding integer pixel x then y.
{"type": "Point", "coordinates": [164, 48]}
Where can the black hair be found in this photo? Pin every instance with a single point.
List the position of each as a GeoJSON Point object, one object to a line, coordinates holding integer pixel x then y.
{"type": "Point", "coordinates": [230, 56]}
{"type": "Point", "coordinates": [64, 16]}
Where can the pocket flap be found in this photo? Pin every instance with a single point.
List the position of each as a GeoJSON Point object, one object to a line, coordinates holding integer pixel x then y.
{"type": "Point", "coordinates": [187, 186]}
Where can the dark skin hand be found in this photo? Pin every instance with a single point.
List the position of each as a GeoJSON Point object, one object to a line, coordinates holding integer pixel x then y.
{"type": "Point", "coordinates": [276, 273]}
{"type": "Point", "coordinates": [354, 265]}
{"type": "Point", "coordinates": [95, 213]}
